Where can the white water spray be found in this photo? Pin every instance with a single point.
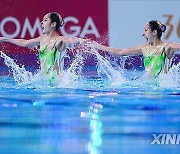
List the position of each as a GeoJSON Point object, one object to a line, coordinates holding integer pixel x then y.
{"type": "Point", "coordinates": [20, 74]}
{"type": "Point", "coordinates": [73, 76]}
{"type": "Point", "coordinates": [105, 70]}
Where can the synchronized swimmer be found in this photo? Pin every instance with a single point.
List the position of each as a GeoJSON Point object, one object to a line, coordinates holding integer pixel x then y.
{"type": "Point", "coordinates": [52, 45]}
{"type": "Point", "coordinates": [156, 53]}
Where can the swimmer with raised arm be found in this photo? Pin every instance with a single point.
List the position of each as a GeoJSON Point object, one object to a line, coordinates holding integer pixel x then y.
{"type": "Point", "coordinates": [52, 45]}
{"type": "Point", "coordinates": [157, 54]}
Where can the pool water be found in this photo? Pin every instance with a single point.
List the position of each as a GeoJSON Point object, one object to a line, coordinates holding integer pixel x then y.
{"type": "Point", "coordinates": [88, 120]}
{"type": "Point", "coordinates": [110, 111]}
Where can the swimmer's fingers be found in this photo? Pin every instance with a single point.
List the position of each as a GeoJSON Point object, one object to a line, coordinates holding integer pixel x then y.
{"type": "Point", "coordinates": [85, 41]}
{"type": "Point", "coordinates": [90, 46]}
{"type": "Point", "coordinates": [91, 43]}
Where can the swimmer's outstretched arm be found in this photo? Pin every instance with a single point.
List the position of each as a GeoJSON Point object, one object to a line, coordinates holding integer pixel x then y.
{"type": "Point", "coordinates": [73, 40]}
{"type": "Point", "coordinates": [122, 52]}
{"type": "Point", "coordinates": [172, 47]}
{"type": "Point", "coordinates": [21, 42]}
{"type": "Point", "coordinates": [64, 41]}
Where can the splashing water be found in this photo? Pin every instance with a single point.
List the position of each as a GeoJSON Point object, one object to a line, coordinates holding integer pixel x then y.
{"type": "Point", "coordinates": [105, 69]}
{"type": "Point", "coordinates": [169, 80]}
{"type": "Point", "coordinates": [172, 78]}
{"type": "Point", "coordinates": [23, 77]}
{"type": "Point", "coordinates": [20, 74]}
{"type": "Point", "coordinates": [73, 76]}
{"type": "Point", "coordinates": [70, 78]}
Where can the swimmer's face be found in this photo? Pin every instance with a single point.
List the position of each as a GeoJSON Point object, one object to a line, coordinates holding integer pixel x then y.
{"type": "Point", "coordinates": [46, 24]}
{"type": "Point", "coordinates": [148, 34]}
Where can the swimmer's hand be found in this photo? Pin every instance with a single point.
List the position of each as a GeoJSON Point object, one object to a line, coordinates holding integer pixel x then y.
{"type": "Point", "coordinates": [84, 41]}
{"type": "Point", "coordinates": [92, 44]}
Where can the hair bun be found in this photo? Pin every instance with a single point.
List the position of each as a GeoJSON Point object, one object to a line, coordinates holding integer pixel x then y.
{"type": "Point", "coordinates": [61, 22]}
{"type": "Point", "coordinates": [163, 28]}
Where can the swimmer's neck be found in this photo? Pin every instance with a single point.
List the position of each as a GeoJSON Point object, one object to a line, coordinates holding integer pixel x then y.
{"type": "Point", "coordinates": [155, 42]}
{"type": "Point", "coordinates": [52, 34]}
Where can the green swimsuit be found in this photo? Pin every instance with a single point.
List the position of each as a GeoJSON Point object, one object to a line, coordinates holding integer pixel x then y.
{"type": "Point", "coordinates": [154, 61]}
{"type": "Point", "coordinates": [51, 61]}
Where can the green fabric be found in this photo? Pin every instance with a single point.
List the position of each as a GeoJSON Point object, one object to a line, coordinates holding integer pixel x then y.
{"type": "Point", "coordinates": [155, 62]}
{"type": "Point", "coordinates": [48, 59]}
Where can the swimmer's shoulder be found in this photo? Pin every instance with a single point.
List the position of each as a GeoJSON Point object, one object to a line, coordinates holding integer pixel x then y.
{"type": "Point", "coordinates": [141, 47]}
{"type": "Point", "coordinates": [64, 39]}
